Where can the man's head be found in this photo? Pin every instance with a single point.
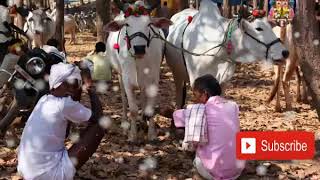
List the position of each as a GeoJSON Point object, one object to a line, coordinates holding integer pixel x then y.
{"type": "Point", "coordinates": [65, 80]}
{"type": "Point", "coordinates": [100, 47]}
{"type": "Point", "coordinates": [165, 3]}
{"type": "Point", "coordinates": [204, 87]}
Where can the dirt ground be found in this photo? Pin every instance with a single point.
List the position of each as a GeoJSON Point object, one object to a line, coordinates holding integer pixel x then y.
{"type": "Point", "coordinates": [115, 159]}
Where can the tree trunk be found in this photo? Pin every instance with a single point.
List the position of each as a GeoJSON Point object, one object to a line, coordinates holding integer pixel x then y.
{"type": "Point", "coordinates": [60, 23]}
{"type": "Point", "coordinates": [82, 2]}
{"type": "Point", "coordinates": [308, 47]}
{"type": "Point", "coordinates": [103, 17]}
{"type": "Point", "coordinates": [266, 2]}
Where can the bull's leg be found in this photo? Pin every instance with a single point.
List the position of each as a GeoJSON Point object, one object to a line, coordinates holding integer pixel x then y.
{"type": "Point", "coordinates": [72, 36]}
{"type": "Point", "coordinates": [133, 108]}
{"type": "Point", "coordinates": [286, 91]}
{"type": "Point", "coordinates": [148, 105]}
{"type": "Point", "coordinates": [149, 112]}
{"type": "Point", "coordinates": [124, 118]}
{"type": "Point", "coordinates": [180, 92]}
{"type": "Point", "coordinates": [304, 90]}
{"type": "Point", "coordinates": [278, 69]}
{"type": "Point", "coordinates": [298, 84]}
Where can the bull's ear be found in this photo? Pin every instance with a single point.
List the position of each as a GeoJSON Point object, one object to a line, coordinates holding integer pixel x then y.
{"type": "Point", "coordinates": [161, 22]}
{"type": "Point", "coordinates": [114, 26]}
{"type": "Point", "coordinates": [244, 24]}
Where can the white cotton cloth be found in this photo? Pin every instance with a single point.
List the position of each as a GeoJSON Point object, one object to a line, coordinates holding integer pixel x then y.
{"type": "Point", "coordinates": [53, 50]}
{"type": "Point", "coordinates": [42, 154]}
{"type": "Point", "coordinates": [201, 169]}
{"type": "Point", "coordinates": [62, 72]}
{"type": "Point", "coordinates": [196, 129]}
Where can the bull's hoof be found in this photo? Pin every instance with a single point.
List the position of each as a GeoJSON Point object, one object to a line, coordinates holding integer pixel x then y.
{"type": "Point", "coordinates": [290, 108]}
{"type": "Point", "coordinates": [143, 126]}
{"type": "Point", "coordinates": [277, 109]}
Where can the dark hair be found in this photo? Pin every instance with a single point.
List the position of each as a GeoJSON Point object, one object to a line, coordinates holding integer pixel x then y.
{"type": "Point", "coordinates": [165, 3]}
{"type": "Point", "coordinates": [53, 42]}
{"type": "Point", "coordinates": [208, 84]}
{"type": "Point", "coordinates": [4, 3]}
{"type": "Point", "coordinates": [100, 47]}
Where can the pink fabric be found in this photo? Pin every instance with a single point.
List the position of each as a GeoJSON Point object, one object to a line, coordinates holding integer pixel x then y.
{"type": "Point", "coordinates": [219, 155]}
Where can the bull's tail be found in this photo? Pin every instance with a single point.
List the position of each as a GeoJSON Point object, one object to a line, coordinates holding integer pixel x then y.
{"type": "Point", "coordinates": [164, 51]}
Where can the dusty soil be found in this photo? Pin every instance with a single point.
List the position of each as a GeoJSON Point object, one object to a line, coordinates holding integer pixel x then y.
{"type": "Point", "coordinates": [115, 159]}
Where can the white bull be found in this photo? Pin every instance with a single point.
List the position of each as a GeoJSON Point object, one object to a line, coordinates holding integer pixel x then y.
{"type": "Point", "coordinates": [208, 29]}
{"type": "Point", "coordinates": [69, 24]}
{"type": "Point", "coordinates": [39, 27]}
{"type": "Point", "coordinates": [70, 27]}
{"type": "Point", "coordinates": [138, 62]}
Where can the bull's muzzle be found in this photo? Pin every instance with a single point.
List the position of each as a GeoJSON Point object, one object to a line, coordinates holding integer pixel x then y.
{"type": "Point", "coordinates": [285, 54]}
{"type": "Point", "coordinates": [139, 50]}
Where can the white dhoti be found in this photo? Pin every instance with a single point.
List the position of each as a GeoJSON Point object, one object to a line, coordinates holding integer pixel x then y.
{"type": "Point", "coordinates": [201, 169]}
{"type": "Point", "coordinates": [64, 170]}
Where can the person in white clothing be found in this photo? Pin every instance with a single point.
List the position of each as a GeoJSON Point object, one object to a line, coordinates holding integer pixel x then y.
{"type": "Point", "coordinates": [42, 154]}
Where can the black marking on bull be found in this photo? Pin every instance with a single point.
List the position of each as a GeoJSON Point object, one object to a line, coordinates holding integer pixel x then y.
{"type": "Point", "coordinates": [129, 38]}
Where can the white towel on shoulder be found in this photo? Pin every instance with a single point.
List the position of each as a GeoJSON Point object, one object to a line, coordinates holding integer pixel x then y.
{"type": "Point", "coordinates": [196, 128]}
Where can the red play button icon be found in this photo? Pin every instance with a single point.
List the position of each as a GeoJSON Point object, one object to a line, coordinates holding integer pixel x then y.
{"type": "Point", "coordinates": [247, 145]}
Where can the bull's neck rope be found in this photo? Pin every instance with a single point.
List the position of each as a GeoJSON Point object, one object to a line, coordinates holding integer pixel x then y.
{"type": "Point", "coordinates": [227, 35]}
{"type": "Point", "coordinates": [230, 29]}
{"type": "Point", "coordinates": [128, 38]}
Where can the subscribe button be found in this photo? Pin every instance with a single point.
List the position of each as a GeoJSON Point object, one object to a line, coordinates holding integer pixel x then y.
{"type": "Point", "coordinates": [270, 145]}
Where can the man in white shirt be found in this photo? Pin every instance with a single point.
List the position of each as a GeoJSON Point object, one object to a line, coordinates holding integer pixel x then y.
{"type": "Point", "coordinates": [42, 154]}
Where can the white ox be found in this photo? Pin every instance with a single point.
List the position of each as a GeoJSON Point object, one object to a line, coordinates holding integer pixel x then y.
{"type": "Point", "coordinates": [69, 24]}
{"type": "Point", "coordinates": [39, 27]}
{"type": "Point", "coordinates": [208, 28]}
{"type": "Point", "coordinates": [138, 63]}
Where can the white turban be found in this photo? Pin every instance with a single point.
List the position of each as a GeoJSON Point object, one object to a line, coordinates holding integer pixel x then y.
{"type": "Point", "coordinates": [62, 72]}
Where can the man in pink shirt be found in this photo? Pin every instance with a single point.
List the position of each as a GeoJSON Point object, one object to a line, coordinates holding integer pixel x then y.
{"type": "Point", "coordinates": [216, 158]}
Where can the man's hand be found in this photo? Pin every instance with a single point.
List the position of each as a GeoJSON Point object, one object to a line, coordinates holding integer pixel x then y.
{"type": "Point", "coordinates": [85, 75]}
